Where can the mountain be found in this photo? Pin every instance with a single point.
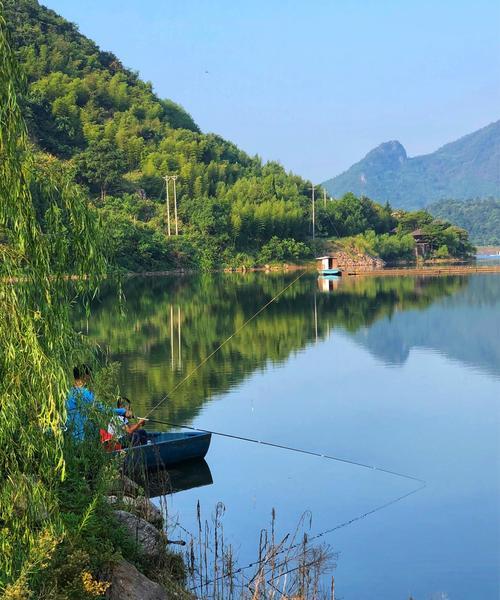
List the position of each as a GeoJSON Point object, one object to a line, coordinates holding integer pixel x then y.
{"type": "Point", "coordinates": [466, 168]}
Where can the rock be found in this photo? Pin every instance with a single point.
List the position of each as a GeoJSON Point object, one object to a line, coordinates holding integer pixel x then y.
{"type": "Point", "coordinates": [356, 261]}
{"type": "Point", "coordinates": [140, 506]}
{"type": "Point", "coordinates": [150, 540]}
{"type": "Point", "coordinates": [127, 583]}
{"type": "Point", "coordinates": [124, 485]}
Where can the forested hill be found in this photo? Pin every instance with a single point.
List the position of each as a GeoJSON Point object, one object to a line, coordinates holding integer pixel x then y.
{"type": "Point", "coordinates": [94, 122]}
{"type": "Point", "coordinates": [466, 168]}
{"type": "Point", "coordinates": [108, 126]}
{"type": "Point", "coordinates": [481, 218]}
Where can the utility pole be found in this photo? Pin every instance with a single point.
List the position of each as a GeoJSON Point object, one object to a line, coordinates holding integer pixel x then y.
{"type": "Point", "coordinates": [313, 212]}
{"type": "Point", "coordinates": [174, 179]}
{"type": "Point", "coordinates": [166, 178]}
{"type": "Point", "coordinates": [324, 197]}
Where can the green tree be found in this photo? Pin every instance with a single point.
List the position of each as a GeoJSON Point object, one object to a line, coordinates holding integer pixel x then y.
{"type": "Point", "coordinates": [101, 166]}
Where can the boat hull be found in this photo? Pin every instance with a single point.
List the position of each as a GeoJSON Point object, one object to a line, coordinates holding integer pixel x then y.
{"type": "Point", "coordinates": [166, 449]}
{"type": "Point", "coordinates": [331, 272]}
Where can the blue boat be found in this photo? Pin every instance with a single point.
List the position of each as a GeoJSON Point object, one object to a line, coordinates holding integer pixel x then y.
{"type": "Point", "coordinates": [166, 449]}
{"type": "Point", "coordinates": [326, 268]}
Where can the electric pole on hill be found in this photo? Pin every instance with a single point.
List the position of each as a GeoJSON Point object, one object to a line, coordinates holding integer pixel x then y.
{"type": "Point", "coordinates": [168, 204]}
{"type": "Point", "coordinates": [167, 178]}
{"type": "Point", "coordinates": [313, 212]}
{"type": "Point", "coordinates": [324, 197]}
{"type": "Point", "coordinates": [174, 179]}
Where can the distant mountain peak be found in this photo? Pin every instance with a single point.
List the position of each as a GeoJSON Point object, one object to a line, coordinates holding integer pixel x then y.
{"type": "Point", "coordinates": [463, 169]}
{"type": "Point", "coordinates": [392, 150]}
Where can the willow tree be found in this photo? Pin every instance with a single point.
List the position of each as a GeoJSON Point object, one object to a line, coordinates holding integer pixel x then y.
{"type": "Point", "coordinates": [47, 232]}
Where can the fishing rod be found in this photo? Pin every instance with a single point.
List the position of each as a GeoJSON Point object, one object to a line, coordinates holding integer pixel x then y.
{"type": "Point", "coordinates": [289, 448]}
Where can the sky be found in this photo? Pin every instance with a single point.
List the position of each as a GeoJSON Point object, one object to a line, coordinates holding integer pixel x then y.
{"type": "Point", "coordinates": [313, 84]}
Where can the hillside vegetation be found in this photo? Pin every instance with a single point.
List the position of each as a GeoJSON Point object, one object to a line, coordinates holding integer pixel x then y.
{"type": "Point", "coordinates": [464, 169]}
{"type": "Point", "coordinates": [481, 218]}
{"type": "Point", "coordinates": [96, 121]}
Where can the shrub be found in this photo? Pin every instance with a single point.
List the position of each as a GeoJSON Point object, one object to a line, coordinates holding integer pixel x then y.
{"type": "Point", "coordinates": [277, 250]}
{"type": "Point", "coordinates": [442, 252]}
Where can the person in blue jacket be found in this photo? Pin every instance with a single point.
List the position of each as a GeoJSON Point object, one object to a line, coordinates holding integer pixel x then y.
{"type": "Point", "coordinates": [81, 403]}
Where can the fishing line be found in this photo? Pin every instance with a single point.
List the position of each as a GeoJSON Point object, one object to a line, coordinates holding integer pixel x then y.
{"type": "Point", "coordinates": [261, 442]}
{"type": "Point", "coordinates": [257, 563]}
{"type": "Point", "coordinates": [282, 446]}
{"type": "Point", "coordinates": [207, 358]}
{"type": "Point", "coordinates": [292, 449]}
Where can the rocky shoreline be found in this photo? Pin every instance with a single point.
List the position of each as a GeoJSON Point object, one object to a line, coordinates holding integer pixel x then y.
{"type": "Point", "coordinates": [145, 524]}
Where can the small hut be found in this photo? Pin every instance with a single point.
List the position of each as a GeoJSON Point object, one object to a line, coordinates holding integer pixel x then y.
{"type": "Point", "coordinates": [327, 263]}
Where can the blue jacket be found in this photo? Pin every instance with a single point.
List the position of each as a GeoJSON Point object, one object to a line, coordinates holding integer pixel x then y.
{"type": "Point", "coordinates": [79, 403]}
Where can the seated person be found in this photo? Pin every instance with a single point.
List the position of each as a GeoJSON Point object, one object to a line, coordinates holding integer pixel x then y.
{"type": "Point", "coordinates": [120, 427]}
{"type": "Point", "coordinates": [81, 403]}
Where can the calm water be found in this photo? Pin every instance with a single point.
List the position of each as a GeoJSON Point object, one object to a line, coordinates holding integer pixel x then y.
{"type": "Point", "coordinates": [401, 373]}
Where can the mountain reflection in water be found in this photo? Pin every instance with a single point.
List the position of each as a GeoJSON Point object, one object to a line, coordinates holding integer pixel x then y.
{"type": "Point", "coordinates": [401, 373]}
{"type": "Point", "coordinates": [168, 325]}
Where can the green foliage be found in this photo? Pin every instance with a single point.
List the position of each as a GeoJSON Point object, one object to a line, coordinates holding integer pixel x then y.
{"type": "Point", "coordinates": [83, 106]}
{"type": "Point", "coordinates": [101, 166]}
{"type": "Point", "coordinates": [92, 540]}
{"type": "Point", "coordinates": [439, 234]}
{"type": "Point", "coordinates": [392, 248]}
{"type": "Point", "coordinates": [49, 232]}
{"type": "Point", "coordinates": [351, 215]}
{"type": "Point", "coordinates": [277, 250]}
{"type": "Point", "coordinates": [109, 131]}
{"type": "Point", "coordinates": [442, 252]}
{"type": "Point", "coordinates": [442, 238]}
{"type": "Point", "coordinates": [407, 222]}
{"type": "Point", "coordinates": [481, 218]}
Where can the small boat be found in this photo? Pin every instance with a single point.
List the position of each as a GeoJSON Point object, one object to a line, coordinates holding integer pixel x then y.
{"type": "Point", "coordinates": [166, 449]}
{"type": "Point", "coordinates": [326, 268]}
{"type": "Point", "coordinates": [331, 272]}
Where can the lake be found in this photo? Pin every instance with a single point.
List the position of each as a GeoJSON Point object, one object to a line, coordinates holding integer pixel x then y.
{"type": "Point", "coordinates": [398, 373]}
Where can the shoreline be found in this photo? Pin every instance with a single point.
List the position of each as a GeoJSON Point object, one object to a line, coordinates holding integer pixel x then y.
{"type": "Point", "coordinates": [435, 269]}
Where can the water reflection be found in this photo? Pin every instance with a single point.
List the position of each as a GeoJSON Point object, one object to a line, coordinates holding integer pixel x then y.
{"type": "Point", "coordinates": [408, 410]}
{"type": "Point", "coordinates": [186, 476]}
{"type": "Point", "coordinates": [464, 327]}
{"type": "Point", "coordinates": [169, 325]}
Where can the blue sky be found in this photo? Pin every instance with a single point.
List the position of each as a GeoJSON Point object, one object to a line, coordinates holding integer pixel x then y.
{"type": "Point", "coordinates": [314, 84]}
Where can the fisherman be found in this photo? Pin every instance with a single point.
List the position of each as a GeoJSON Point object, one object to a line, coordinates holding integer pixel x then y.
{"type": "Point", "coordinates": [120, 427]}
{"type": "Point", "coordinates": [81, 402]}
